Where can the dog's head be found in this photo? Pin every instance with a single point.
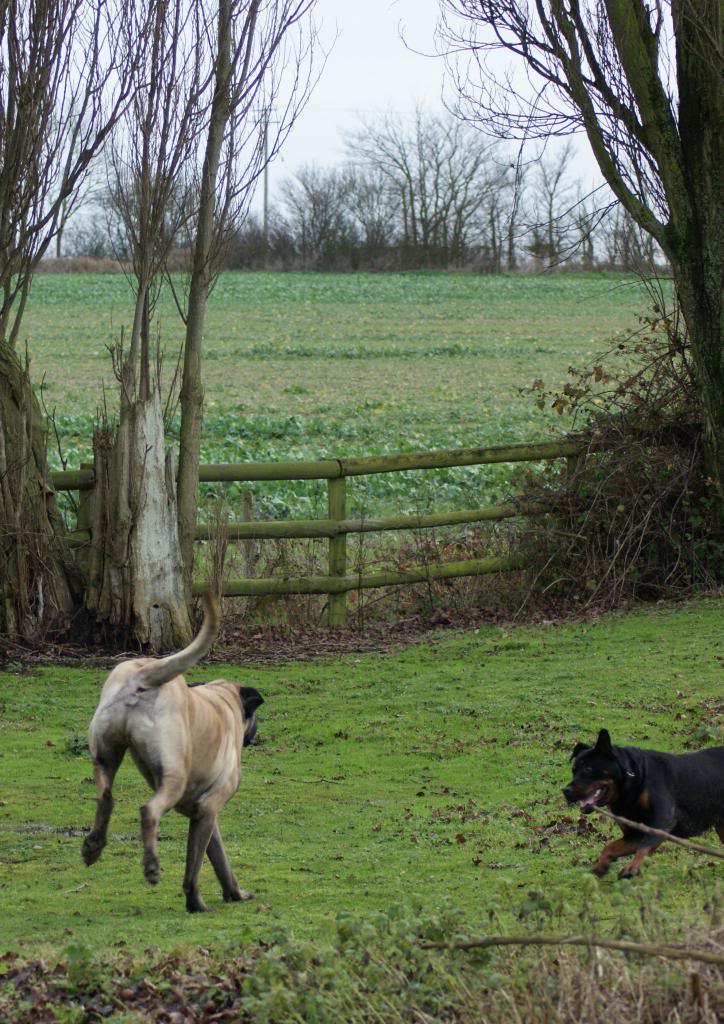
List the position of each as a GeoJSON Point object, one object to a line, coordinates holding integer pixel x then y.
{"type": "Point", "coordinates": [598, 775]}
{"type": "Point", "coordinates": [251, 699]}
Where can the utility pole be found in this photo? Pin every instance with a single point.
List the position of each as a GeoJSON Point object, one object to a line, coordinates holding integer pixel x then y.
{"type": "Point", "coordinates": [265, 221]}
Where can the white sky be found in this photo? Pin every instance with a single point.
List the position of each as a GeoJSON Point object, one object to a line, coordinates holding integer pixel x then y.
{"type": "Point", "coordinates": [369, 70]}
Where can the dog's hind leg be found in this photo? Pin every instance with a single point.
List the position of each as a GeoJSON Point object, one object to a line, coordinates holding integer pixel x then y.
{"type": "Point", "coordinates": [166, 796]}
{"type": "Point", "coordinates": [105, 765]}
{"type": "Point", "coordinates": [220, 863]}
{"type": "Point", "coordinates": [201, 827]}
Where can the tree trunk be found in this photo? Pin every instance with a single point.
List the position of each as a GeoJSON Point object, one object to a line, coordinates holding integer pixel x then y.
{"type": "Point", "coordinates": [135, 579]}
{"type": "Point", "coordinates": [512, 261]}
{"type": "Point", "coordinates": [698, 245]}
{"type": "Point", "coordinates": [192, 392]}
{"type": "Point", "coordinates": [701, 304]}
{"type": "Point", "coordinates": [39, 586]}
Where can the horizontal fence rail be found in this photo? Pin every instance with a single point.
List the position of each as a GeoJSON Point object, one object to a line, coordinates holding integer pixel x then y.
{"type": "Point", "coordinates": [331, 469]}
{"type": "Point", "coordinates": [321, 528]}
{"type": "Point", "coordinates": [338, 583]}
{"type": "Point", "coordinates": [363, 581]}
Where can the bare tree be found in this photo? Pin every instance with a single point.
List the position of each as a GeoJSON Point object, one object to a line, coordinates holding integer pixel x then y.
{"type": "Point", "coordinates": [62, 89]}
{"type": "Point", "coordinates": [645, 83]}
{"type": "Point", "coordinates": [586, 221]}
{"type": "Point", "coordinates": [83, 198]}
{"type": "Point", "coordinates": [372, 205]}
{"type": "Point", "coordinates": [135, 584]}
{"type": "Point", "coordinates": [517, 191]}
{"type": "Point", "coordinates": [628, 246]}
{"type": "Point", "coordinates": [440, 172]}
{"type": "Point", "coordinates": [317, 216]}
{"type": "Point", "coordinates": [498, 230]}
{"type": "Point", "coordinates": [263, 56]}
{"type": "Point", "coordinates": [553, 199]}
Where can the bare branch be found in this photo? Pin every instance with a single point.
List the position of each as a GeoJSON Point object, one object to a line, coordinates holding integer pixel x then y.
{"type": "Point", "coordinates": [667, 952]}
{"type": "Point", "coordinates": [63, 87]}
{"type": "Point", "coordinates": [707, 851]}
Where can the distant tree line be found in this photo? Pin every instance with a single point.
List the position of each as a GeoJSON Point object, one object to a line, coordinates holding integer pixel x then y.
{"type": "Point", "coordinates": [427, 192]}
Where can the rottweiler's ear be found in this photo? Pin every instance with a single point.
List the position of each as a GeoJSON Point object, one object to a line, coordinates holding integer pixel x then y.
{"type": "Point", "coordinates": [578, 749]}
{"type": "Point", "coordinates": [251, 699]}
{"type": "Point", "coordinates": [603, 743]}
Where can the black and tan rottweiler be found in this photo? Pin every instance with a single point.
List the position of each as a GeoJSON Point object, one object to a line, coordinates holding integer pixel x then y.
{"type": "Point", "coordinates": [680, 793]}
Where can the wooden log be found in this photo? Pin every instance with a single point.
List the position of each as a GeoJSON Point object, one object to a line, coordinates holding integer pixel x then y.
{"type": "Point", "coordinates": [341, 585]}
{"type": "Point", "coordinates": [73, 479]}
{"type": "Point", "coordinates": [459, 457]}
{"type": "Point", "coordinates": [251, 549]}
{"type": "Point", "coordinates": [321, 528]}
{"type": "Point", "coordinates": [328, 469]}
{"type": "Point", "coordinates": [337, 504]}
{"type": "Point", "coordinates": [83, 519]}
{"type": "Point", "coordinates": [441, 459]}
{"type": "Point", "coordinates": [230, 472]}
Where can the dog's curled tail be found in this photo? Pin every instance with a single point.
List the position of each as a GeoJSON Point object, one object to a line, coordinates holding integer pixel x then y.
{"type": "Point", "coordinates": [164, 669]}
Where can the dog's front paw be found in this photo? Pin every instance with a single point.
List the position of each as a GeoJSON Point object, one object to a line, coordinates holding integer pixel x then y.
{"type": "Point", "coordinates": [600, 869]}
{"type": "Point", "coordinates": [151, 868]}
{"type": "Point", "coordinates": [92, 848]}
{"type": "Point", "coordinates": [628, 872]}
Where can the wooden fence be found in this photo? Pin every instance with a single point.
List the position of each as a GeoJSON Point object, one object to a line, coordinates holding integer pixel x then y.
{"type": "Point", "coordinates": [337, 583]}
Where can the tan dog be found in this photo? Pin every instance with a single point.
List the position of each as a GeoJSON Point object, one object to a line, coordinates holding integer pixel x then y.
{"type": "Point", "coordinates": [186, 742]}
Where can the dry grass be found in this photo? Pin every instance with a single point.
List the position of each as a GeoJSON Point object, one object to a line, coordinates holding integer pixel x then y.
{"type": "Point", "coordinates": [566, 987]}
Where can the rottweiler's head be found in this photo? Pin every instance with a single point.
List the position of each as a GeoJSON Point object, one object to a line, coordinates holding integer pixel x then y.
{"type": "Point", "coordinates": [251, 699]}
{"type": "Point", "coordinates": [597, 775]}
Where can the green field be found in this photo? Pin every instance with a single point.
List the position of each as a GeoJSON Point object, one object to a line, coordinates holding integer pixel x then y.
{"type": "Point", "coordinates": [393, 797]}
{"type": "Point", "coordinates": [306, 366]}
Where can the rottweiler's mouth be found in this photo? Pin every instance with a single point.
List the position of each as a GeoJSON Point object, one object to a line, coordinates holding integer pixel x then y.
{"type": "Point", "coordinates": [597, 797]}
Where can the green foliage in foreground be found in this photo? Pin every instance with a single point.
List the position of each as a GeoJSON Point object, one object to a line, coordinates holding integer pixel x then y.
{"type": "Point", "coordinates": [430, 774]}
{"type": "Point", "coordinates": [375, 968]}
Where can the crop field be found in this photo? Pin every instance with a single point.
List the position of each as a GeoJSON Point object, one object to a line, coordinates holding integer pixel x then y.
{"type": "Point", "coordinates": [316, 365]}
{"type": "Point", "coordinates": [425, 778]}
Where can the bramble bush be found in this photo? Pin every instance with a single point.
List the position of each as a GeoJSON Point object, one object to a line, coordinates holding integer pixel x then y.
{"type": "Point", "coordinates": [637, 517]}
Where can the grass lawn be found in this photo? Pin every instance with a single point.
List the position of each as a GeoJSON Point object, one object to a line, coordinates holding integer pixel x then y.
{"type": "Point", "coordinates": [432, 773]}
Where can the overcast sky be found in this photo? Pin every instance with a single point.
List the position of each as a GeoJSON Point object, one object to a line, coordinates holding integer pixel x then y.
{"type": "Point", "coordinates": [381, 61]}
{"type": "Point", "coordinates": [369, 70]}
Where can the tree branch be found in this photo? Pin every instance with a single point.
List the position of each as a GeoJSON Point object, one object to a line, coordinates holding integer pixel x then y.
{"type": "Point", "coordinates": [707, 851]}
{"type": "Point", "coordinates": [588, 942]}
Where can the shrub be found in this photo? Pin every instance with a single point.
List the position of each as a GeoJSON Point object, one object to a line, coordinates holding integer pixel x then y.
{"type": "Point", "coordinates": [637, 517]}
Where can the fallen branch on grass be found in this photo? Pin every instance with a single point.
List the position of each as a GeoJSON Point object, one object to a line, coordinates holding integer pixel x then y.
{"type": "Point", "coordinates": [708, 851]}
{"type": "Point", "coordinates": [645, 948]}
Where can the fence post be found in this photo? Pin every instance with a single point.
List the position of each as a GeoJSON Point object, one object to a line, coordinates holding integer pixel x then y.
{"type": "Point", "coordinates": [249, 547]}
{"type": "Point", "coordinates": [83, 521]}
{"type": "Point", "coordinates": [337, 499]}
{"type": "Point", "coordinates": [574, 463]}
